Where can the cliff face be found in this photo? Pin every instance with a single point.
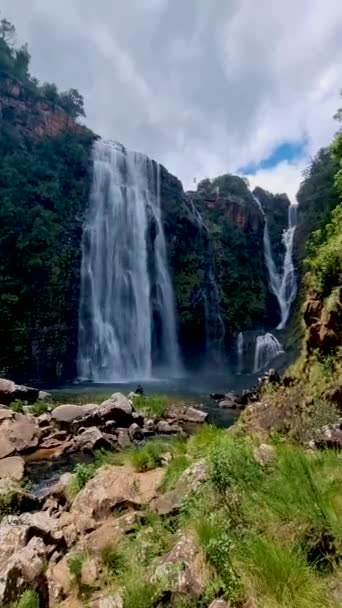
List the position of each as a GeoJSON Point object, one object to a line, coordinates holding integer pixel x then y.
{"type": "Point", "coordinates": [33, 115]}
{"type": "Point", "coordinates": [215, 238]}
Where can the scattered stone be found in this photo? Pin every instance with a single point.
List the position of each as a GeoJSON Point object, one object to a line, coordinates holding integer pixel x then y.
{"type": "Point", "coordinates": [44, 420]}
{"type": "Point", "coordinates": [120, 402]}
{"type": "Point", "coordinates": [124, 441]}
{"type": "Point", "coordinates": [220, 604]}
{"type": "Point", "coordinates": [44, 396]}
{"type": "Point", "coordinates": [23, 568]}
{"type": "Point", "coordinates": [92, 439]}
{"type": "Point", "coordinates": [65, 414]}
{"type": "Point", "coordinates": [38, 524]}
{"type": "Point", "coordinates": [22, 432]}
{"type": "Point", "coordinates": [135, 431]}
{"type": "Point", "coordinates": [12, 467]}
{"type": "Point", "coordinates": [116, 486]}
{"type": "Point", "coordinates": [184, 569]}
{"type": "Point", "coordinates": [90, 572]}
{"type": "Point", "coordinates": [165, 427]}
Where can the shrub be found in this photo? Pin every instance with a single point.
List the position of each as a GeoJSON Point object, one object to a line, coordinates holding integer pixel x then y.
{"type": "Point", "coordinates": [75, 564]}
{"type": "Point", "coordinates": [40, 407]}
{"type": "Point", "coordinates": [17, 406]}
{"type": "Point", "coordinates": [201, 441]}
{"type": "Point", "coordinates": [155, 405]}
{"type": "Point", "coordinates": [112, 560]}
{"type": "Point", "coordinates": [149, 455]}
{"type": "Point", "coordinates": [82, 474]}
{"type": "Point", "coordinates": [29, 599]}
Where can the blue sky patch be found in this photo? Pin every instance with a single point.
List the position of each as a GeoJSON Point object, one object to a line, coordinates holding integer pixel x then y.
{"type": "Point", "coordinates": [288, 151]}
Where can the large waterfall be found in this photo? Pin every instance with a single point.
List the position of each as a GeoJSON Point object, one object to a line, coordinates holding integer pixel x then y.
{"type": "Point", "coordinates": [127, 327]}
{"type": "Point", "coordinates": [284, 284]}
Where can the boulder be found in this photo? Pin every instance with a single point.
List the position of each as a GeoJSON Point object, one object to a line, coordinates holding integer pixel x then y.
{"type": "Point", "coordinates": [26, 393]}
{"type": "Point", "coordinates": [120, 402]}
{"type": "Point", "coordinates": [118, 408]}
{"type": "Point", "coordinates": [44, 420]}
{"type": "Point", "coordinates": [44, 396]}
{"type": "Point", "coordinates": [220, 604]}
{"type": "Point", "coordinates": [189, 483]}
{"type": "Point", "coordinates": [38, 524]}
{"type": "Point", "coordinates": [12, 467]}
{"type": "Point", "coordinates": [229, 403]}
{"type": "Point", "coordinates": [166, 428]}
{"type": "Point", "coordinates": [135, 431]}
{"type": "Point", "coordinates": [6, 447]}
{"type": "Point", "coordinates": [5, 414]}
{"type": "Point", "coordinates": [92, 439]}
{"type": "Point", "coordinates": [7, 389]}
{"type": "Point", "coordinates": [184, 568]}
{"type": "Point", "coordinates": [22, 432]}
{"type": "Point", "coordinates": [124, 441]}
{"type": "Point", "coordinates": [14, 499]}
{"type": "Point", "coordinates": [65, 414]}
{"type": "Point", "coordinates": [23, 568]}
{"type": "Point", "coordinates": [116, 486]}
{"type": "Point", "coordinates": [90, 572]}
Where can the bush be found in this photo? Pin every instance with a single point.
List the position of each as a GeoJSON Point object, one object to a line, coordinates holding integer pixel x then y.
{"type": "Point", "coordinates": [149, 455]}
{"type": "Point", "coordinates": [112, 560]}
{"type": "Point", "coordinates": [155, 405]}
{"type": "Point", "coordinates": [82, 474]}
{"type": "Point", "coordinates": [30, 599]}
{"type": "Point", "coordinates": [75, 564]}
{"type": "Point", "coordinates": [17, 406]}
{"type": "Point", "coordinates": [40, 407]}
{"type": "Point", "coordinates": [201, 441]}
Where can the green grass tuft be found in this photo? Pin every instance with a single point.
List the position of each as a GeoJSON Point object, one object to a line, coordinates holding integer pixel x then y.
{"type": "Point", "coordinates": [174, 470]}
{"type": "Point", "coordinates": [29, 599]}
{"type": "Point", "coordinates": [155, 405]}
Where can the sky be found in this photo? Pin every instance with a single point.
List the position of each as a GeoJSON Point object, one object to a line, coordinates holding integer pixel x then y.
{"type": "Point", "coordinates": [203, 86]}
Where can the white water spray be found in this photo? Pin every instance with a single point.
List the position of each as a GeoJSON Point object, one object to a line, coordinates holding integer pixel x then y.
{"type": "Point", "coordinates": [284, 284]}
{"type": "Point", "coordinates": [239, 348]}
{"type": "Point", "coordinates": [267, 348]}
{"type": "Point", "coordinates": [126, 319]}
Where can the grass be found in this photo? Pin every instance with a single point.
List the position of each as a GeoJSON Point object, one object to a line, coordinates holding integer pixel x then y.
{"type": "Point", "coordinates": [82, 474]}
{"type": "Point", "coordinates": [113, 560]}
{"type": "Point", "coordinates": [17, 406]}
{"type": "Point", "coordinates": [41, 407]}
{"type": "Point", "coordinates": [174, 470]}
{"type": "Point", "coordinates": [29, 599]}
{"type": "Point", "coordinates": [155, 405]}
{"type": "Point", "coordinates": [75, 564]}
{"type": "Point", "coordinates": [200, 442]}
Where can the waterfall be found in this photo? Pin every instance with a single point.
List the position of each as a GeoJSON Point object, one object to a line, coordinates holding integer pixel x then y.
{"type": "Point", "coordinates": [239, 348]}
{"type": "Point", "coordinates": [267, 347]}
{"type": "Point", "coordinates": [127, 324]}
{"type": "Point", "coordinates": [284, 284]}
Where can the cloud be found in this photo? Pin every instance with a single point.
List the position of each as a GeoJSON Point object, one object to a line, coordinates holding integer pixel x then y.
{"type": "Point", "coordinates": [203, 87]}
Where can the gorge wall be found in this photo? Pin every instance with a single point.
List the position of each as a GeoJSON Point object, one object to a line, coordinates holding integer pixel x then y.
{"type": "Point", "coordinates": [214, 238]}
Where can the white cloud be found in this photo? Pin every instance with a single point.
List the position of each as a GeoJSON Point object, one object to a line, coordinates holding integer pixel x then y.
{"type": "Point", "coordinates": [285, 177]}
{"type": "Point", "coordinates": [203, 87]}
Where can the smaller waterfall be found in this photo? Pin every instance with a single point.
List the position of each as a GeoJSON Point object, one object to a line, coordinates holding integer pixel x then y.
{"type": "Point", "coordinates": [267, 348]}
{"type": "Point", "coordinates": [239, 348]}
{"type": "Point", "coordinates": [284, 284]}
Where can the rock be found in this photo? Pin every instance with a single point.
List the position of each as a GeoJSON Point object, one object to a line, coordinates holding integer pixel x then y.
{"type": "Point", "coordinates": [65, 414]}
{"type": "Point", "coordinates": [5, 414]}
{"type": "Point", "coordinates": [39, 524]}
{"type": "Point", "coordinates": [58, 490]}
{"type": "Point", "coordinates": [131, 396]}
{"type": "Point", "coordinates": [217, 396]}
{"type": "Point", "coordinates": [124, 441]}
{"type": "Point", "coordinates": [25, 393]}
{"type": "Point", "coordinates": [110, 601]}
{"type": "Point", "coordinates": [121, 403]}
{"type": "Point", "coordinates": [192, 414]}
{"type": "Point", "coordinates": [189, 483]}
{"type": "Point", "coordinates": [220, 604]}
{"type": "Point", "coordinates": [12, 467]}
{"type": "Point", "coordinates": [23, 568]}
{"type": "Point", "coordinates": [21, 432]}
{"type": "Point", "coordinates": [116, 486]}
{"type": "Point", "coordinates": [44, 420]}
{"type": "Point", "coordinates": [44, 396]}
{"type": "Point", "coordinates": [90, 573]}
{"type": "Point", "coordinates": [59, 582]}
{"type": "Point", "coordinates": [14, 499]}
{"type": "Point", "coordinates": [92, 439]}
{"type": "Point", "coordinates": [183, 568]}
{"type": "Point", "coordinates": [6, 447]}
{"type": "Point", "coordinates": [165, 427]}
{"type": "Point", "coordinates": [135, 432]}
{"type": "Point", "coordinates": [264, 454]}
{"type": "Point", "coordinates": [228, 403]}
{"type": "Point", "coordinates": [7, 388]}
{"type": "Point", "coordinates": [334, 394]}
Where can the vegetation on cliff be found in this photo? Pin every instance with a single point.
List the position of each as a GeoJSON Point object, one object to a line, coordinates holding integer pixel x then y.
{"type": "Point", "coordinates": [44, 185]}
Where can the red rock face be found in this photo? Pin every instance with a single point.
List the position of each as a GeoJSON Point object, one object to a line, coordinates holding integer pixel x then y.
{"type": "Point", "coordinates": [236, 213]}
{"type": "Point", "coordinates": [323, 327]}
{"type": "Point", "coordinates": [34, 115]}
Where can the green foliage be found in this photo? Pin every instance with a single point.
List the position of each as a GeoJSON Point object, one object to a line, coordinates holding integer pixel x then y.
{"type": "Point", "coordinates": [174, 470]}
{"type": "Point", "coordinates": [200, 442]}
{"type": "Point", "coordinates": [154, 405]}
{"type": "Point", "coordinates": [279, 575]}
{"type": "Point", "coordinates": [82, 474]}
{"type": "Point", "coordinates": [75, 563]}
{"type": "Point", "coordinates": [113, 560]}
{"type": "Point", "coordinates": [17, 406]}
{"type": "Point", "coordinates": [40, 407]}
{"type": "Point", "coordinates": [149, 455]}
{"type": "Point", "coordinates": [324, 261]}
{"type": "Point", "coordinates": [29, 599]}
{"type": "Point", "coordinates": [140, 593]}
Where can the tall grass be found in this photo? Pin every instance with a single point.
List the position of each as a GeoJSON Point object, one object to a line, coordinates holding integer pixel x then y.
{"type": "Point", "coordinates": [154, 405]}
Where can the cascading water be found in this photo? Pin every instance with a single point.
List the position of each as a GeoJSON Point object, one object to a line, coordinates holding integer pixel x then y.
{"type": "Point", "coordinates": [127, 321]}
{"type": "Point", "coordinates": [283, 285]}
{"type": "Point", "coordinates": [267, 348]}
{"type": "Point", "coordinates": [239, 348]}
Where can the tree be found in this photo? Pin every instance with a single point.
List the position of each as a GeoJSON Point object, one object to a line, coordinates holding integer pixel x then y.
{"type": "Point", "coordinates": [7, 32]}
{"type": "Point", "coordinates": [22, 62]}
{"type": "Point", "coordinates": [73, 103]}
